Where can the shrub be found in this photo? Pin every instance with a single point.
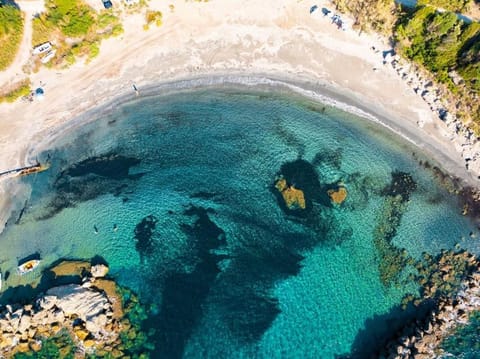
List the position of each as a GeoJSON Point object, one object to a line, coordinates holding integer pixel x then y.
{"type": "Point", "coordinates": [11, 32]}
{"type": "Point", "coordinates": [21, 89]}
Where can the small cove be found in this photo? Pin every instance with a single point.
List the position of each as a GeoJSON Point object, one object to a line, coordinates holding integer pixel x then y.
{"type": "Point", "coordinates": [180, 190]}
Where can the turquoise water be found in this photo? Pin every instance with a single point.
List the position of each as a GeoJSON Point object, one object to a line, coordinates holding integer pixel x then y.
{"type": "Point", "coordinates": [176, 193]}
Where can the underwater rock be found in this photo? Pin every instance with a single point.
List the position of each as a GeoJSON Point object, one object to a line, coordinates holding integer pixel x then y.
{"type": "Point", "coordinates": [402, 185]}
{"type": "Point", "coordinates": [89, 179]}
{"type": "Point", "coordinates": [294, 198]}
{"type": "Point", "coordinates": [184, 294]}
{"type": "Point", "coordinates": [71, 268]}
{"type": "Point", "coordinates": [338, 195]}
{"type": "Point", "coordinates": [143, 234]}
{"type": "Point", "coordinates": [111, 165]}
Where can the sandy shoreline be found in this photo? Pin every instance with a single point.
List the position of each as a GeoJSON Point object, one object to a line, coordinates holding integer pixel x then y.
{"type": "Point", "coordinates": [322, 93]}
{"type": "Point", "coordinates": [275, 43]}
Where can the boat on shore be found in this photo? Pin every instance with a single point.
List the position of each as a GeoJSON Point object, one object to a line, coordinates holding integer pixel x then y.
{"type": "Point", "coordinates": [28, 266]}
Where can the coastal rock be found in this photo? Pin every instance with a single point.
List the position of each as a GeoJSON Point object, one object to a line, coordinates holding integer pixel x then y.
{"type": "Point", "coordinates": [294, 198]}
{"type": "Point", "coordinates": [110, 289]}
{"type": "Point", "coordinates": [81, 334]}
{"type": "Point", "coordinates": [97, 323]}
{"type": "Point", "coordinates": [36, 345]}
{"type": "Point", "coordinates": [73, 299]}
{"type": "Point", "coordinates": [339, 195]}
{"type": "Point", "coordinates": [24, 324]}
{"type": "Point", "coordinates": [47, 302]}
{"type": "Point", "coordinates": [99, 271]}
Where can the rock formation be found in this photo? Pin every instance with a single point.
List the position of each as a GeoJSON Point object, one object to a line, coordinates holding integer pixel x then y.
{"type": "Point", "coordinates": [293, 197]}
{"type": "Point", "coordinates": [91, 314]}
{"type": "Point", "coordinates": [338, 195]}
{"type": "Point", "coordinates": [447, 315]}
{"type": "Point", "coordinates": [465, 141]}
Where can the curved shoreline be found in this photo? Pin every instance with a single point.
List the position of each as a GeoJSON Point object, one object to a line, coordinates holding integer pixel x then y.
{"type": "Point", "coordinates": [322, 93]}
{"type": "Point", "coordinates": [199, 44]}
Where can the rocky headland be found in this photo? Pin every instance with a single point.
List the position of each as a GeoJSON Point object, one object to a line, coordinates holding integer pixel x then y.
{"type": "Point", "coordinates": [423, 340]}
{"type": "Point", "coordinates": [81, 319]}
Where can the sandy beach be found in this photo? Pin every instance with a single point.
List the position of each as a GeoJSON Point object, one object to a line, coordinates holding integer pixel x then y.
{"type": "Point", "coordinates": [273, 42]}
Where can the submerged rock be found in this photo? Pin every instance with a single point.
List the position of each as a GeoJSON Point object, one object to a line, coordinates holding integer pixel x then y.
{"type": "Point", "coordinates": [71, 268]}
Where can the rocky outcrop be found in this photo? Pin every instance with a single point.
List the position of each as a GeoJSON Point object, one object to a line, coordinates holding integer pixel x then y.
{"type": "Point", "coordinates": [293, 197]}
{"type": "Point", "coordinates": [463, 137]}
{"type": "Point", "coordinates": [338, 195]}
{"type": "Point", "coordinates": [447, 315]}
{"type": "Point", "coordinates": [91, 314]}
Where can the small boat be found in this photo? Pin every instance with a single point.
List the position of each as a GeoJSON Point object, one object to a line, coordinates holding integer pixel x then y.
{"type": "Point", "coordinates": [28, 266]}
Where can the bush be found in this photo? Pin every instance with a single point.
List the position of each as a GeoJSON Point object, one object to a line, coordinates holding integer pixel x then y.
{"type": "Point", "coordinates": [153, 16]}
{"type": "Point", "coordinates": [21, 89]}
{"type": "Point", "coordinates": [72, 17]}
{"type": "Point", "coordinates": [11, 32]}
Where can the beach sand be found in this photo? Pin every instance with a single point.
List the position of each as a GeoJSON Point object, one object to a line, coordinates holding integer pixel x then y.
{"type": "Point", "coordinates": [272, 42]}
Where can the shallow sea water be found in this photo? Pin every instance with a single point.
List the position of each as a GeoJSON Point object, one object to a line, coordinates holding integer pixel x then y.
{"type": "Point", "coordinates": [226, 272]}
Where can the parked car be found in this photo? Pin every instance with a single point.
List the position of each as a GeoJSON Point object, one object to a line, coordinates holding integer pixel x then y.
{"type": "Point", "coordinates": [107, 4]}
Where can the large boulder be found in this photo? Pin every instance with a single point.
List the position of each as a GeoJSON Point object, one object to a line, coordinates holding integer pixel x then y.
{"type": "Point", "coordinates": [73, 299]}
{"type": "Point", "coordinates": [99, 271]}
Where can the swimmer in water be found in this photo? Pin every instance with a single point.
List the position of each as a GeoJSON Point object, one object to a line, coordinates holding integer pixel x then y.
{"type": "Point", "coordinates": [115, 227]}
{"type": "Point", "coordinates": [95, 229]}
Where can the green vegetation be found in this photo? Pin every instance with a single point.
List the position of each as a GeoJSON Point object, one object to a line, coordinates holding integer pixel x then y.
{"type": "Point", "coordinates": [134, 340]}
{"type": "Point", "coordinates": [60, 346]}
{"type": "Point", "coordinates": [73, 18]}
{"type": "Point", "coordinates": [11, 31]}
{"type": "Point", "coordinates": [152, 17]}
{"type": "Point", "coordinates": [18, 90]}
{"type": "Point", "coordinates": [75, 28]}
{"type": "Point", "coordinates": [378, 15]}
{"type": "Point", "coordinates": [442, 43]}
{"type": "Point", "coordinates": [451, 5]}
{"type": "Point", "coordinates": [438, 42]}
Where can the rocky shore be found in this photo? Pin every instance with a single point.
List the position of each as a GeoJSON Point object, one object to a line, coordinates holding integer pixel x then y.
{"type": "Point", "coordinates": [89, 315]}
{"type": "Point", "coordinates": [422, 340]}
{"type": "Point", "coordinates": [465, 141]}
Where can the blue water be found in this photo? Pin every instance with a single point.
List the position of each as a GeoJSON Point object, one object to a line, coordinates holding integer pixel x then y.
{"type": "Point", "coordinates": [188, 217]}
